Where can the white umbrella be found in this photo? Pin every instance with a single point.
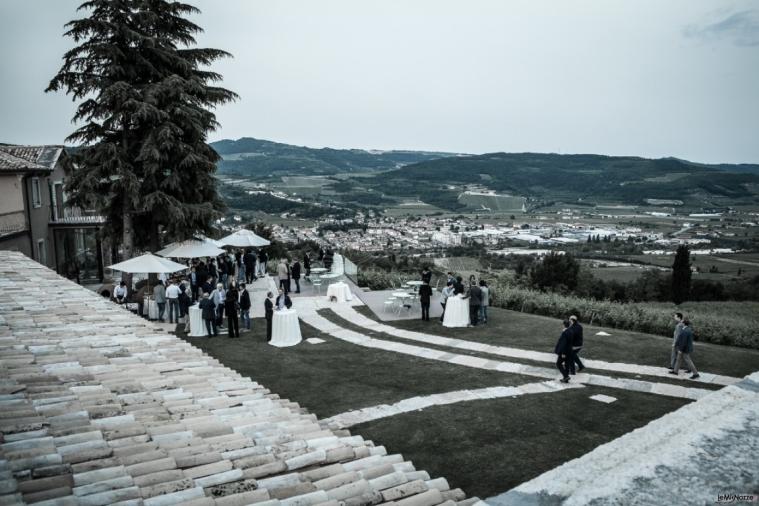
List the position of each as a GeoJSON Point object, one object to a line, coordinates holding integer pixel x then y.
{"type": "Point", "coordinates": [244, 238]}
{"type": "Point", "coordinates": [190, 249]}
{"type": "Point", "coordinates": [209, 240]}
{"type": "Point", "coordinates": [148, 264]}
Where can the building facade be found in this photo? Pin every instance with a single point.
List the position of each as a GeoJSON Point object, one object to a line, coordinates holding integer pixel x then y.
{"type": "Point", "coordinates": [35, 218]}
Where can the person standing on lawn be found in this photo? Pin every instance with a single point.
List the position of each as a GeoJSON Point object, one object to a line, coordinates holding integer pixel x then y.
{"type": "Point", "coordinates": [576, 329]}
{"type": "Point", "coordinates": [219, 296]}
{"type": "Point", "coordinates": [563, 350]}
{"type": "Point", "coordinates": [475, 301]}
{"type": "Point", "coordinates": [444, 294]}
{"type": "Point", "coordinates": [208, 312]}
{"type": "Point", "coordinates": [269, 313]}
{"type": "Point", "coordinates": [684, 347]}
{"type": "Point", "coordinates": [231, 306]}
{"type": "Point", "coordinates": [245, 306]}
{"type": "Point", "coordinates": [295, 274]}
{"type": "Point", "coordinates": [425, 294]}
{"type": "Point", "coordinates": [485, 301]}
{"type": "Point", "coordinates": [678, 317]}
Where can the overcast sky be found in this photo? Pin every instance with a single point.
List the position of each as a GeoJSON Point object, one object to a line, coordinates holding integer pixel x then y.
{"type": "Point", "coordinates": [641, 77]}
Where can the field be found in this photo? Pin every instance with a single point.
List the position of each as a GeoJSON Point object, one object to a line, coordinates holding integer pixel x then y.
{"type": "Point", "coordinates": [494, 203]}
{"type": "Point", "coordinates": [727, 266]}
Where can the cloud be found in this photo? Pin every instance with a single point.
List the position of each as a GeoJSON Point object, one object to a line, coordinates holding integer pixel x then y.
{"type": "Point", "coordinates": [742, 28]}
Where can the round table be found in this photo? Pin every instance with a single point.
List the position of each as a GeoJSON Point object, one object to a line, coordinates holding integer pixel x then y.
{"type": "Point", "coordinates": [197, 325]}
{"type": "Point", "coordinates": [456, 312]}
{"type": "Point", "coordinates": [415, 283]}
{"type": "Point", "coordinates": [339, 291]}
{"type": "Point", "coordinates": [285, 329]}
{"type": "Point", "coordinates": [318, 270]}
{"type": "Point", "coordinates": [330, 275]}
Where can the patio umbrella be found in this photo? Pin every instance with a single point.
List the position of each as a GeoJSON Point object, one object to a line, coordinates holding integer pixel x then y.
{"type": "Point", "coordinates": [148, 264]}
{"type": "Point", "coordinates": [244, 238]}
{"type": "Point", "coordinates": [190, 249]}
{"type": "Point", "coordinates": [209, 240]}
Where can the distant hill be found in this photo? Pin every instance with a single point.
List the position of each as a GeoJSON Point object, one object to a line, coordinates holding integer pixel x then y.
{"type": "Point", "coordinates": [575, 177]}
{"type": "Point", "coordinates": [255, 157]}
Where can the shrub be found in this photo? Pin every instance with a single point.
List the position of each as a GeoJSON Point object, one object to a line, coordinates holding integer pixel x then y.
{"type": "Point", "coordinates": [728, 323]}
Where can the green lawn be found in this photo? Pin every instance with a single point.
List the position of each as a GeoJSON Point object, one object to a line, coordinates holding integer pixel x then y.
{"type": "Point", "coordinates": [539, 333]}
{"type": "Point", "coordinates": [483, 447]}
{"type": "Point", "coordinates": [337, 376]}
{"type": "Point", "coordinates": [490, 446]}
{"type": "Point", "coordinates": [328, 314]}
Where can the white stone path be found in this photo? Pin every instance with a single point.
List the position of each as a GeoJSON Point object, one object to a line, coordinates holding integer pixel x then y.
{"type": "Point", "coordinates": [353, 316]}
{"type": "Point", "coordinates": [307, 312]}
{"type": "Point", "coordinates": [355, 417]}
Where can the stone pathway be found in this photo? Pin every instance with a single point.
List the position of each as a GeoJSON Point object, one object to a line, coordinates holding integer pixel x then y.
{"type": "Point", "coordinates": [311, 317]}
{"type": "Point", "coordinates": [98, 406]}
{"type": "Point", "coordinates": [353, 316]}
{"type": "Point", "coordinates": [355, 417]}
{"type": "Point", "coordinates": [689, 456]}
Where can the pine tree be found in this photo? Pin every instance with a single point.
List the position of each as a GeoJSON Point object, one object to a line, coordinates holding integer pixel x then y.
{"type": "Point", "coordinates": [681, 275]}
{"type": "Point", "coordinates": [145, 104]}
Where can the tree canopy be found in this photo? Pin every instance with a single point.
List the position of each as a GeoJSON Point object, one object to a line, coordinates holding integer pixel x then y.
{"type": "Point", "coordinates": [146, 100]}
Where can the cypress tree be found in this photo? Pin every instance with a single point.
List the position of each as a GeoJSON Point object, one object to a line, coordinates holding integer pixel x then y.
{"type": "Point", "coordinates": [145, 106]}
{"type": "Point", "coordinates": [681, 275]}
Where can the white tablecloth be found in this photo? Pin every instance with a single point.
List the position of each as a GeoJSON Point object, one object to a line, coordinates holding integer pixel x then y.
{"type": "Point", "coordinates": [340, 291]}
{"type": "Point", "coordinates": [318, 270]}
{"type": "Point", "coordinates": [197, 325]}
{"type": "Point", "coordinates": [456, 312]}
{"type": "Point", "coordinates": [150, 308]}
{"type": "Point", "coordinates": [285, 329]}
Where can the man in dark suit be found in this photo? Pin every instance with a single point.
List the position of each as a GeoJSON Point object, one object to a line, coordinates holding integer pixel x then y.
{"type": "Point", "coordinates": [425, 294]}
{"type": "Point", "coordinates": [208, 312]}
{"type": "Point", "coordinates": [427, 275]}
{"type": "Point", "coordinates": [249, 261]}
{"type": "Point", "coordinates": [563, 352]}
{"type": "Point", "coordinates": [475, 301]}
{"type": "Point", "coordinates": [269, 313]}
{"type": "Point", "coordinates": [283, 301]}
{"type": "Point", "coordinates": [576, 329]}
{"type": "Point", "coordinates": [295, 274]}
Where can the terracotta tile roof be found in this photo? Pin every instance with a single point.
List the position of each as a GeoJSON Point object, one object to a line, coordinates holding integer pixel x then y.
{"type": "Point", "coordinates": [98, 407]}
{"type": "Point", "coordinates": [19, 158]}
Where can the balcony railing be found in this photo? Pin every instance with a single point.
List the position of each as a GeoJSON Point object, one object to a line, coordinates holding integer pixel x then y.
{"type": "Point", "coordinates": [76, 215]}
{"type": "Point", "coordinates": [12, 222]}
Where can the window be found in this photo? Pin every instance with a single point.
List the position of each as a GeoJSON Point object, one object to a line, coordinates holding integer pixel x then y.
{"type": "Point", "coordinates": [36, 193]}
{"type": "Point", "coordinates": [41, 252]}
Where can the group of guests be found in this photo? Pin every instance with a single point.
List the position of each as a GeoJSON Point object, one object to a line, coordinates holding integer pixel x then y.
{"type": "Point", "coordinates": [234, 301]}
{"type": "Point", "coordinates": [288, 273]}
{"type": "Point", "coordinates": [568, 349]}
{"type": "Point", "coordinates": [242, 266]}
{"type": "Point", "coordinates": [476, 292]}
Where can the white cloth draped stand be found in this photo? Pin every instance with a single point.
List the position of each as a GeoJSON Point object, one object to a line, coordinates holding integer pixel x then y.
{"type": "Point", "coordinates": [197, 325]}
{"type": "Point", "coordinates": [341, 291]}
{"type": "Point", "coordinates": [285, 329]}
{"type": "Point", "coordinates": [456, 312]}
